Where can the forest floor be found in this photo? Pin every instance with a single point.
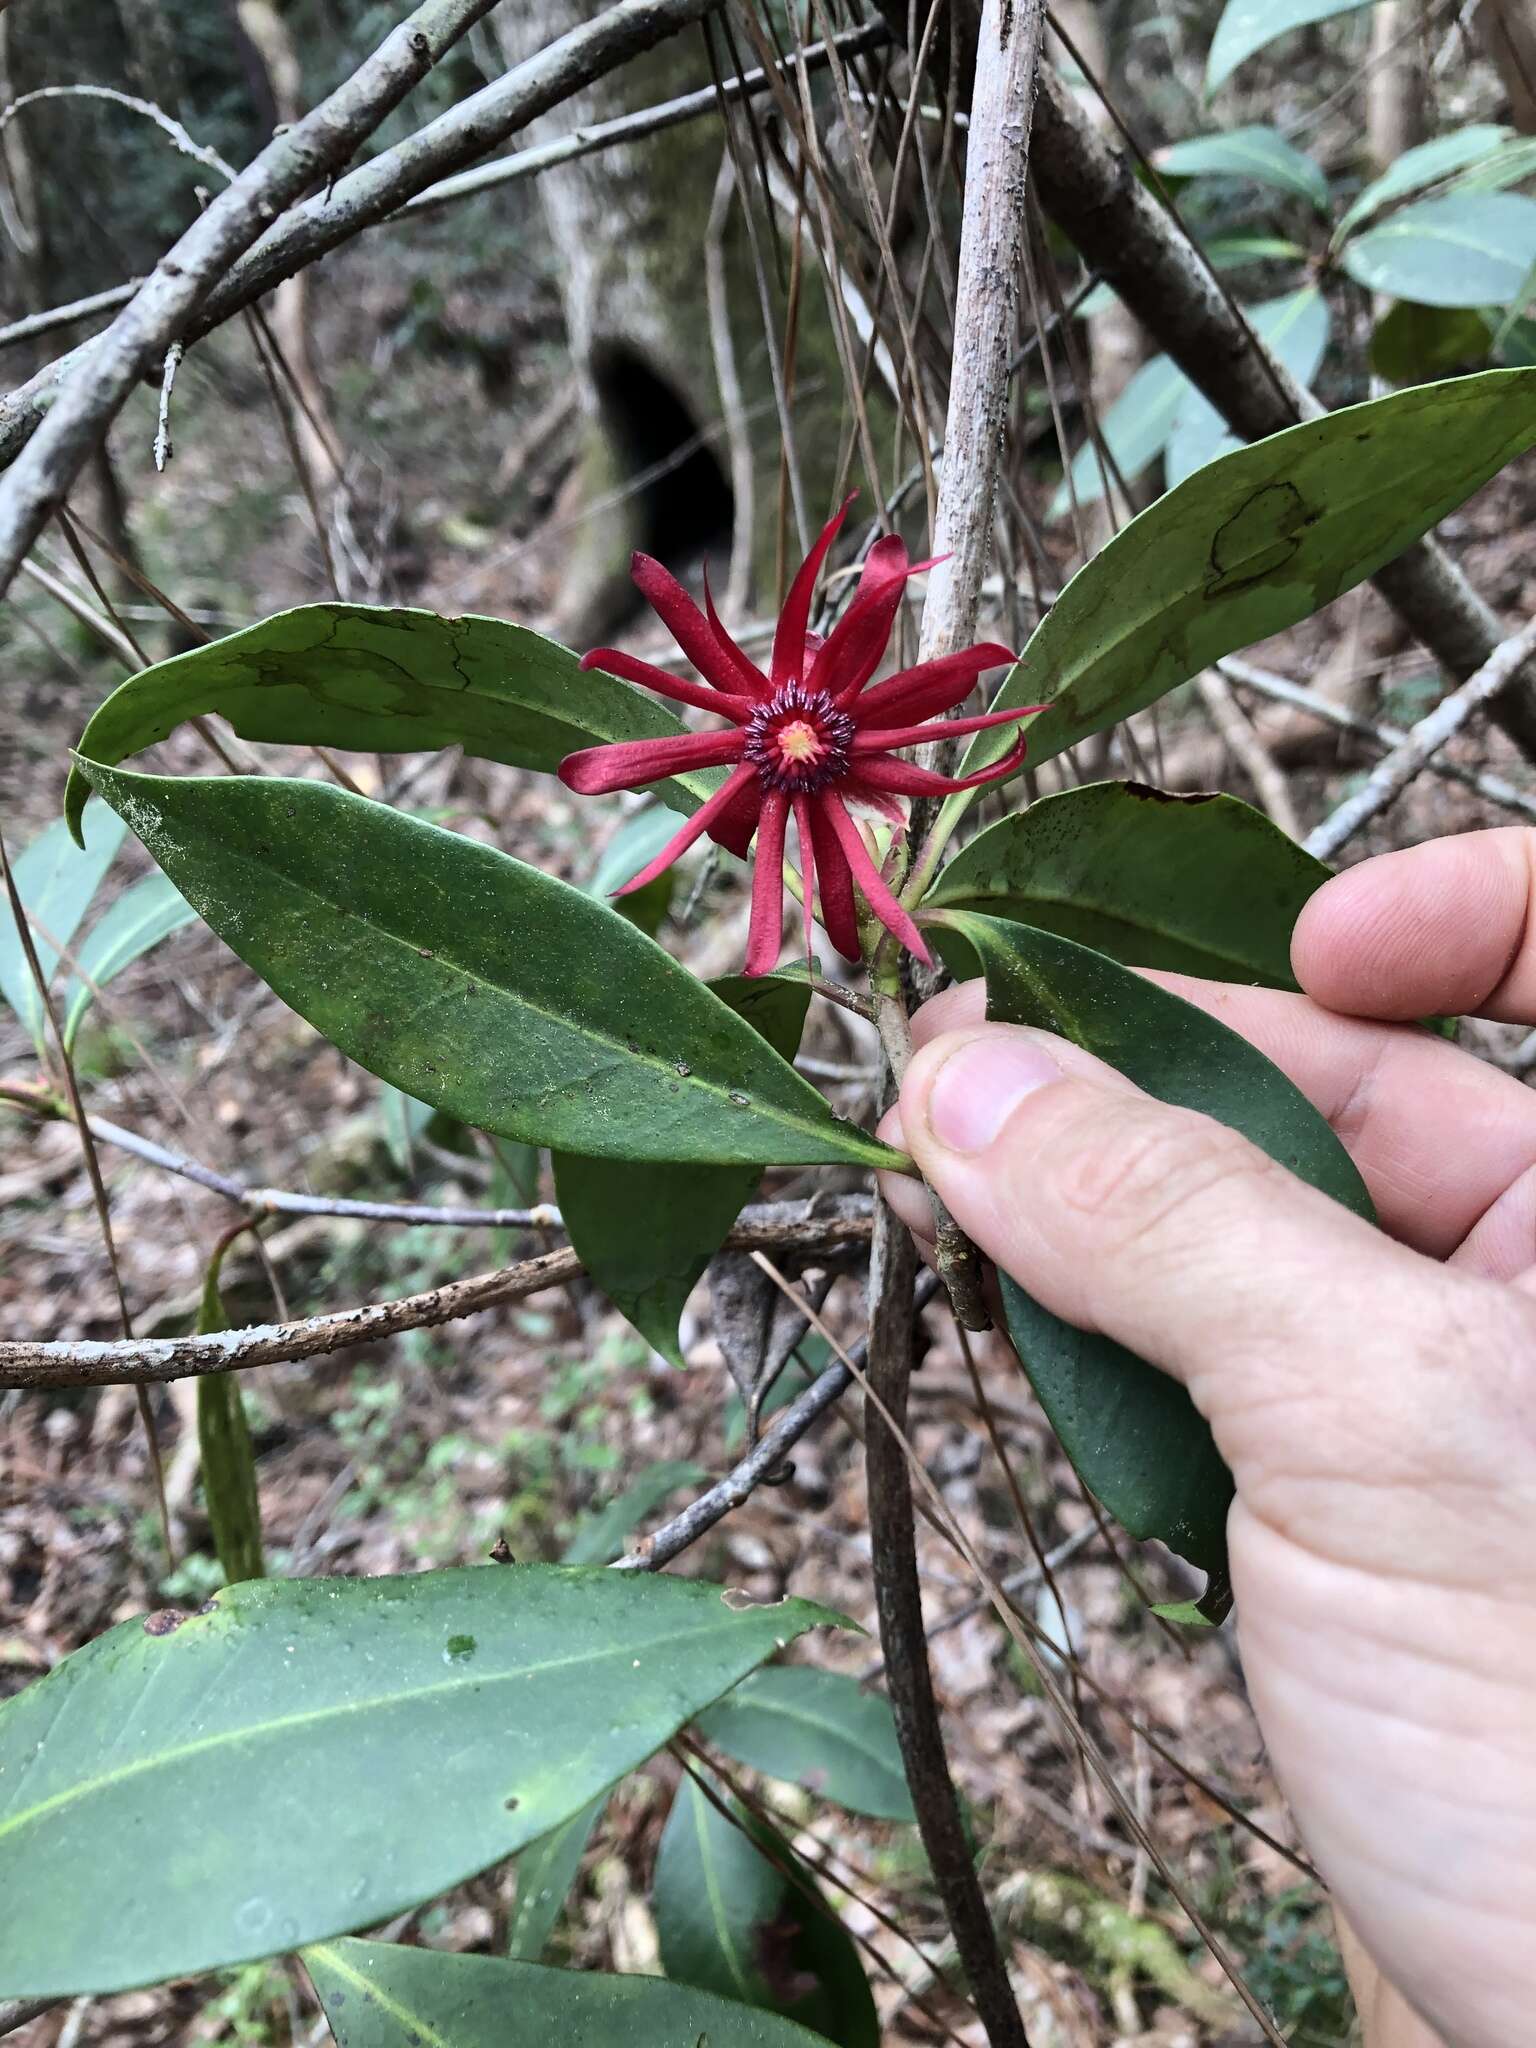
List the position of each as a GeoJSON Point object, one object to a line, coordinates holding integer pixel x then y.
{"type": "Point", "coordinates": [524, 1423]}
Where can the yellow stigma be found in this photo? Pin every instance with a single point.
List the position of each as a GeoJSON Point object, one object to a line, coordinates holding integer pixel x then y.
{"type": "Point", "coordinates": [799, 741]}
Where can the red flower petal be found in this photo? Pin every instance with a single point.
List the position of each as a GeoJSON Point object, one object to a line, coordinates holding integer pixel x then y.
{"type": "Point", "coordinates": [765, 934]}
{"type": "Point", "coordinates": [905, 779]}
{"type": "Point", "coordinates": [698, 824]}
{"type": "Point", "coordinates": [749, 676]}
{"type": "Point", "coordinates": [711, 650]}
{"type": "Point", "coordinates": [734, 827]}
{"type": "Point", "coordinates": [885, 740]}
{"type": "Point", "coordinates": [871, 882]}
{"type": "Point", "coordinates": [859, 639]}
{"type": "Point", "coordinates": [932, 687]}
{"type": "Point", "coordinates": [834, 883]}
{"type": "Point", "coordinates": [807, 873]}
{"type": "Point", "coordinates": [795, 619]}
{"type": "Point", "coordinates": [630, 764]}
{"type": "Point", "coordinates": [703, 696]}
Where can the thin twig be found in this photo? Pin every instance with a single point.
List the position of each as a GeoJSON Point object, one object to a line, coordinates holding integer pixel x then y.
{"type": "Point", "coordinates": [1389, 778]}
{"type": "Point", "coordinates": [1494, 789]}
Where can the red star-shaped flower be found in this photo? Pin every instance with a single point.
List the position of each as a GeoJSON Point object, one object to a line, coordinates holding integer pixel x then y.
{"type": "Point", "coordinates": [807, 739]}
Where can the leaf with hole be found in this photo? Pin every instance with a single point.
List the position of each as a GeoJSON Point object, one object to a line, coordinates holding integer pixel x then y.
{"type": "Point", "coordinates": [474, 982]}
{"type": "Point", "coordinates": [1133, 1434]}
{"type": "Point", "coordinates": [818, 1729]}
{"type": "Point", "coordinates": [405, 1733]}
{"type": "Point", "coordinates": [370, 677]}
{"type": "Point", "coordinates": [56, 880]}
{"type": "Point", "coordinates": [1468, 249]}
{"type": "Point", "coordinates": [1196, 884]}
{"type": "Point", "coordinates": [136, 923]}
{"type": "Point", "coordinates": [1250, 544]}
{"type": "Point", "coordinates": [645, 1233]}
{"type": "Point", "coordinates": [1247, 26]}
{"type": "Point", "coordinates": [739, 1914]}
{"type": "Point", "coordinates": [1255, 152]}
{"type": "Point", "coordinates": [379, 1996]}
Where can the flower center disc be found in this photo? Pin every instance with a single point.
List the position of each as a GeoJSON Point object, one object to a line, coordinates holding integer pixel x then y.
{"type": "Point", "coordinates": [799, 740]}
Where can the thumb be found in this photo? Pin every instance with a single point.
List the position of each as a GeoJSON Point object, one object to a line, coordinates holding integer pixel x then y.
{"type": "Point", "coordinates": [1329, 1361]}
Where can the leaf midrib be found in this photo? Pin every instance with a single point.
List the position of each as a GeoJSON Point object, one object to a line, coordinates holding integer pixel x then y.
{"type": "Point", "coordinates": [414, 2026]}
{"type": "Point", "coordinates": [164, 1759]}
{"type": "Point", "coordinates": [619, 1046]}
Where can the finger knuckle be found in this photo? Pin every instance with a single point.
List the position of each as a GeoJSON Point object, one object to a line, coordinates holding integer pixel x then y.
{"type": "Point", "coordinates": [1157, 1181]}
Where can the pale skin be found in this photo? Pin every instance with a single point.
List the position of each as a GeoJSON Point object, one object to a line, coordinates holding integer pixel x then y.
{"type": "Point", "coordinates": [1373, 1391]}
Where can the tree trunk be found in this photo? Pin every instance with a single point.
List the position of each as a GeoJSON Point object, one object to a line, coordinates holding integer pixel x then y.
{"type": "Point", "coordinates": [1507, 31]}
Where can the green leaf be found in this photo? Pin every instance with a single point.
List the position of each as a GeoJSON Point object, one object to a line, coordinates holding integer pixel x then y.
{"type": "Point", "coordinates": [1248, 25]}
{"type": "Point", "coordinates": [55, 880]}
{"type": "Point", "coordinates": [546, 1870]}
{"type": "Point", "coordinates": [738, 1914]}
{"type": "Point", "coordinates": [818, 1729]}
{"type": "Point", "coordinates": [140, 918]}
{"type": "Point", "coordinates": [388, 681]}
{"type": "Point", "coordinates": [471, 981]}
{"type": "Point", "coordinates": [1132, 1433]}
{"type": "Point", "coordinates": [1410, 344]}
{"type": "Point", "coordinates": [646, 1233]}
{"type": "Point", "coordinates": [376, 1996]}
{"type": "Point", "coordinates": [1426, 164]}
{"type": "Point", "coordinates": [638, 840]}
{"type": "Point", "coordinates": [601, 1537]}
{"type": "Point", "coordinates": [224, 1447]}
{"type": "Point", "coordinates": [1296, 328]}
{"type": "Point", "coordinates": [396, 1735]}
{"type": "Point", "coordinates": [1134, 430]}
{"type": "Point", "coordinates": [1195, 884]}
{"type": "Point", "coordinates": [1257, 152]}
{"type": "Point", "coordinates": [1253, 542]}
{"type": "Point", "coordinates": [1468, 249]}
{"type": "Point", "coordinates": [1234, 252]}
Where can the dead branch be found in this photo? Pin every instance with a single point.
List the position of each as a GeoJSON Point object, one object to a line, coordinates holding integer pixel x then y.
{"type": "Point", "coordinates": [797, 1227]}
{"type": "Point", "coordinates": [87, 399]}
{"type": "Point", "coordinates": [1389, 778]}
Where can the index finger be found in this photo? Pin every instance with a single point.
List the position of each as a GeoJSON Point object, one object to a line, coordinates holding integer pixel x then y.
{"type": "Point", "coordinates": [1442, 929]}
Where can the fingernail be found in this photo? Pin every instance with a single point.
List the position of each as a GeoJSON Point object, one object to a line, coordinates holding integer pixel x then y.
{"type": "Point", "coordinates": [981, 1084]}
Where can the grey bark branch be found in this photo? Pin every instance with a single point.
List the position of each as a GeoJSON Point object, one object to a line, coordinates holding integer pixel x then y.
{"type": "Point", "coordinates": [94, 391]}
{"type": "Point", "coordinates": [1389, 778]}
{"type": "Point", "coordinates": [784, 1432]}
{"type": "Point", "coordinates": [88, 1364]}
{"type": "Point", "coordinates": [1121, 231]}
{"type": "Point", "coordinates": [364, 197]}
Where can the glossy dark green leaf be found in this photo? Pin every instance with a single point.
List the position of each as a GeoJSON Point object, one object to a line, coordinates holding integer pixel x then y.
{"type": "Point", "coordinates": [646, 1233]}
{"type": "Point", "coordinates": [1253, 542]}
{"type": "Point", "coordinates": [226, 1452]}
{"type": "Point", "coordinates": [377, 1996]}
{"type": "Point", "coordinates": [737, 1913]}
{"type": "Point", "coordinates": [304, 1756]}
{"type": "Point", "coordinates": [1196, 884]}
{"type": "Point", "coordinates": [602, 1535]}
{"type": "Point", "coordinates": [389, 681]}
{"type": "Point", "coordinates": [474, 982]}
{"type": "Point", "coordinates": [818, 1729]}
{"type": "Point", "coordinates": [1410, 343]}
{"type": "Point", "coordinates": [546, 1870]}
{"type": "Point", "coordinates": [1255, 152]}
{"type": "Point", "coordinates": [1132, 1433]}
{"type": "Point", "coordinates": [1426, 164]}
{"type": "Point", "coordinates": [1248, 25]}
{"type": "Point", "coordinates": [1467, 249]}
{"type": "Point", "coordinates": [56, 880]}
{"type": "Point", "coordinates": [140, 918]}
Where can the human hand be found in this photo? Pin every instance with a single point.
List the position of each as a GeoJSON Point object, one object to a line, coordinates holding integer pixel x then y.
{"type": "Point", "coordinates": [1374, 1394]}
